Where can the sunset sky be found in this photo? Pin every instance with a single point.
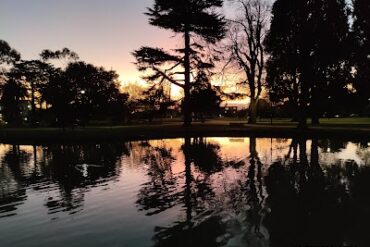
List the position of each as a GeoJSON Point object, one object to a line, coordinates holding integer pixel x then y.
{"type": "Point", "coordinates": [101, 32]}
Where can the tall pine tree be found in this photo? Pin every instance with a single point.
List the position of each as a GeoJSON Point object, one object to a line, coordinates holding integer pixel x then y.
{"type": "Point", "coordinates": [197, 21]}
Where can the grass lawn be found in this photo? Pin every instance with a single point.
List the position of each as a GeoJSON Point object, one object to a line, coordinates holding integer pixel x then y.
{"type": "Point", "coordinates": [336, 127]}
{"type": "Point", "coordinates": [324, 121]}
{"type": "Point", "coordinates": [346, 121]}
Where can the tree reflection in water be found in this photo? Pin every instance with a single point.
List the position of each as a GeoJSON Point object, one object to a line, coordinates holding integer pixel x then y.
{"type": "Point", "coordinates": [159, 194]}
{"type": "Point", "coordinates": [12, 183]}
{"type": "Point", "coordinates": [59, 169]}
{"type": "Point", "coordinates": [204, 197]}
{"type": "Point", "coordinates": [204, 221]}
{"type": "Point", "coordinates": [298, 201]}
{"type": "Point", "coordinates": [315, 205]}
{"type": "Point", "coordinates": [166, 190]}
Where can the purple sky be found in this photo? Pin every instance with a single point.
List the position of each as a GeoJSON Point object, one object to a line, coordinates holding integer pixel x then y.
{"type": "Point", "coordinates": [102, 32]}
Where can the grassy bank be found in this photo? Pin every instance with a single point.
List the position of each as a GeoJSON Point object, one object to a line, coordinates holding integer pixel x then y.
{"type": "Point", "coordinates": [215, 128]}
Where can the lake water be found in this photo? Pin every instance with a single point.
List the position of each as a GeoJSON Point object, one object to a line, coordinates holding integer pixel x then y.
{"type": "Point", "coordinates": [186, 192]}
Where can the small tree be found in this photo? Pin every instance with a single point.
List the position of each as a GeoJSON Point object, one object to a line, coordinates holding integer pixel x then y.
{"type": "Point", "coordinates": [190, 18]}
{"type": "Point", "coordinates": [156, 102]}
{"type": "Point", "coordinates": [205, 98]}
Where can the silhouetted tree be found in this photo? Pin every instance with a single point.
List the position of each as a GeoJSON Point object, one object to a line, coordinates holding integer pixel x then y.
{"type": "Point", "coordinates": [65, 54]}
{"type": "Point", "coordinates": [7, 54]}
{"type": "Point", "coordinates": [14, 92]}
{"type": "Point", "coordinates": [282, 47]}
{"type": "Point", "coordinates": [330, 55]}
{"type": "Point", "coordinates": [361, 29]}
{"type": "Point", "coordinates": [35, 75]}
{"type": "Point", "coordinates": [156, 101]}
{"type": "Point", "coordinates": [308, 48]}
{"type": "Point", "coordinates": [247, 49]}
{"type": "Point", "coordinates": [205, 99]}
{"type": "Point", "coordinates": [83, 91]}
{"type": "Point", "coordinates": [59, 93]}
{"type": "Point", "coordinates": [190, 18]}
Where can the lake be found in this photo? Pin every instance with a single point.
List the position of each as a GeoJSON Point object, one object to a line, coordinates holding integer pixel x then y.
{"type": "Point", "coordinates": [186, 192]}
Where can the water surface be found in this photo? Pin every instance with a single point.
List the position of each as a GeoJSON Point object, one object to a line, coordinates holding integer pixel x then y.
{"type": "Point", "coordinates": [186, 192]}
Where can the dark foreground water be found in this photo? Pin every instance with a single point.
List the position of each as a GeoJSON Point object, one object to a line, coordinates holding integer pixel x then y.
{"type": "Point", "coordinates": [186, 192]}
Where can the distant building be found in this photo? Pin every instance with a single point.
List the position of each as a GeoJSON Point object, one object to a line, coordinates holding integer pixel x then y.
{"type": "Point", "coordinates": [229, 110]}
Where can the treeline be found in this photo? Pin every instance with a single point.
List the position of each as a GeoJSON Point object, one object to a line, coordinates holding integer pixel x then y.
{"type": "Point", "coordinates": [59, 89]}
{"type": "Point", "coordinates": [40, 91]}
{"type": "Point", "coordinates": [309, 59]}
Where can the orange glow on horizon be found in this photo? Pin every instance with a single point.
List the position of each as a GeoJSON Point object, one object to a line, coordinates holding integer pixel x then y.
{"type": "Point", "coordinates": [135, 77]}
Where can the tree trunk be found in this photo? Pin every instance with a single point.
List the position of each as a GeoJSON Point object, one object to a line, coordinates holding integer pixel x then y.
{"type": "Point", "coordinates": [186, 107]}
{"type": "Point", "coordinates": [303, 111]}
{"type": "Point", "coordinates": [315, 111]}
{"type": "Point", "coordinates": [303, 105]}
{"type": "Point", "coordinates": [315, 119]}
{"type": "Point", "coordinates": [33, 105]}
{"type": "Point", "coordinates": [253, 112]}
{"type": "Point", "coordinates": [315, 107]}
{"type": "Point", "coordinates": [295, 99]}
{"type": "Point", "coordinates": [302, 120]}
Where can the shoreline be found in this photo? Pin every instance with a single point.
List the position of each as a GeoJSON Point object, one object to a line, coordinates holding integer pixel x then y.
{"type": "Point", "coordinates": [170, 131]}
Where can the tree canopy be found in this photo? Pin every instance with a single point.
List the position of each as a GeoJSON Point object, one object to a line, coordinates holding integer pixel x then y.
{"type": "Point", "coordinates": [308, 44]}
{"type": "Point", "coordinates": [7, 54]}
{"type": "Point", "coordinates": [361, 31]}
{"type": "Point", "coordinates": [197, 21]}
